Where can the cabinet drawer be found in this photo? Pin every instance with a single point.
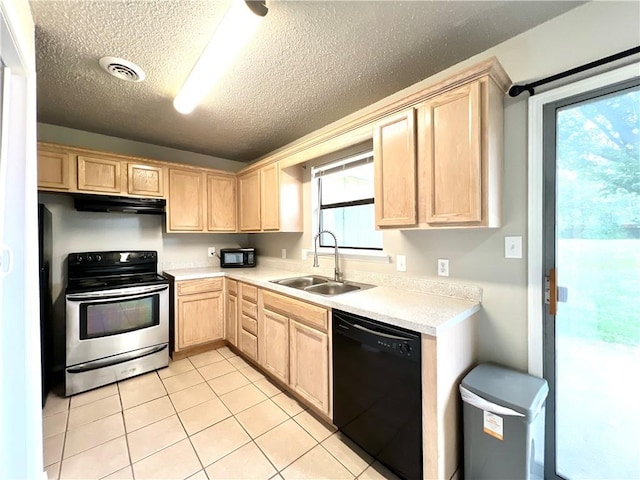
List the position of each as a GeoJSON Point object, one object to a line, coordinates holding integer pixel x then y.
{"type": "Point", "coordinates": [232, 286]}
{"type": "Point", "coordinates": [250, 309]}
{"type": "Point", "coordinates": [307, 313]}
{"type": "Point", "coordinates": [249, 324]}
{"type": "Point", "coordinates": [250, 292]}
{"type": "Point", "coordinates": [249, 344]}
{"type": "Point", "coordinates": [188, 287]}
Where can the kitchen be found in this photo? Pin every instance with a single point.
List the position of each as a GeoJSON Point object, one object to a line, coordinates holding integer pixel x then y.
{"type": "Point", "coordinates": [476, 257]}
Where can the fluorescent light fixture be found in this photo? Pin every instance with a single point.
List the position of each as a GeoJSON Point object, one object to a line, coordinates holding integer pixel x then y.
{"type": "Point", "coordinates": [238, 25]}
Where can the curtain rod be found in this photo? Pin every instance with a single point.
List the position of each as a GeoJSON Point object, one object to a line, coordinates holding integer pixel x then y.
{"type": "Point", "coordinates": [516, 90]}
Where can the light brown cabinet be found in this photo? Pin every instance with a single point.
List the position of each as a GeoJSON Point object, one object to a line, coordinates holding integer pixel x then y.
{"type": "Point", "coordinates": [231, 312]}
{"type": "Point", "coordinates": [54, 170]}
{"type": "Point", "coordinates": [221, 203]}
{"type": "Point", "coordinates": [455, 179]}
{"type": "Point", "coordinates": [451, 150]}
{"type": "Point", "coordinates": [270, 199]}
{"type": "Point", "coordinates": [249, 199]}
{"type": "Point", "coordinates": [199, 316]}
{"type": "Point", "coordinates": [98, 174]}
{"type": "Point", "coordinates": [309, 364]}
{"type": "Point", "coordinates": [395, 170]}
{"type": "Point", "coordinates": [145, 180]}
{"type": "Point", "coordinates": [186, 194]}
{"type": "Point", "coordinates": [294, 346]}
{"type": "Point", "coordinates": [248, 317]}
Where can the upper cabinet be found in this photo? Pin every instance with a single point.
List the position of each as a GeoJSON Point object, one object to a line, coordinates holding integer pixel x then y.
{"type": "Point", "coordinates": [270, 199]}
{"type": "Point", "coordinates": [186, 194]}
{"type": "Point", "coordinates": [249, 199]}
{"type": "Point", "coordinates": [54, 170]}
{"type": "Point", "coordinates": [394, 155]}
{"type": "Point", "coordinates": [455, 179]}
{"type": "Point", "coordinates": [145, 180]}
{"type": "Point", "coordinates": [97, 174]}
{"type": "Point", "coordinates": [77, 170]}
{"type": "Point", "coordinates": [221, 203]}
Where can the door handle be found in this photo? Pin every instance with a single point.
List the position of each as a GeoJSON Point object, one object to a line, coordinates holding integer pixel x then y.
{"type": "Point", "coordinates": [553, 293]}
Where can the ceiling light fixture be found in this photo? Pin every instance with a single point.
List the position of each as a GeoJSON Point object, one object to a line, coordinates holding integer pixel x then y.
{"type": "Point", "coordinates": [233, 32]}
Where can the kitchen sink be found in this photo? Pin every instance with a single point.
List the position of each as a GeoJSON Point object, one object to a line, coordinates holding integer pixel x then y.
{"type": "Point", "coordinates": [302, 282]}
{"type": "Point", "coordinates": [332, 288]}
{"type": "Point", "coordinates": [321, 285]}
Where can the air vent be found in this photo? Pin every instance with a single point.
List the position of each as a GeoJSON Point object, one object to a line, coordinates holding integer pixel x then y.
{"type": "Point", "coordinates": [122, 69]}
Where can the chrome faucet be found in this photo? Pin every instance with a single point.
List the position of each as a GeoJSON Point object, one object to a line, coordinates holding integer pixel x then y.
{"type": "Point", "coordinates": [337, 275]}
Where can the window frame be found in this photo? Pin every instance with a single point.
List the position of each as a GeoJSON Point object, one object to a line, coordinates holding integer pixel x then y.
{"type": "Point", "coordinates": [365, 158]}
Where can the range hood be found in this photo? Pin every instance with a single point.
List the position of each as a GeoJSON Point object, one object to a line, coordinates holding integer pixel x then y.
{"type": "Point", "coordinates": [107, 203]}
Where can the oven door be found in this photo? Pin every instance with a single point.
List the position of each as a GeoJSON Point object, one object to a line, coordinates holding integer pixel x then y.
{"type": "Point", "coordinates": [113, 322]}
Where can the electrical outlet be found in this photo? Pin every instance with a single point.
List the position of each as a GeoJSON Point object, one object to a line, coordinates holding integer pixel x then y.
{"type": "Point", "coordinates": [303, 255]}
{"type": "Point", "coordinates": [443, 267]}
{"type": "Point", "coordinates": [284, 253]}
{"type": "Point", "coordinates": [211, 252]}
{"type": "Point", "coordinates": [401, 263]}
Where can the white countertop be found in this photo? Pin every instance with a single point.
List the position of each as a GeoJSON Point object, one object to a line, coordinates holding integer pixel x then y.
{"type": "Point", "coordinates": [421, 312]}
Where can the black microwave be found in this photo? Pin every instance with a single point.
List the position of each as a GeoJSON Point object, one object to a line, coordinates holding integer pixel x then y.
{"type": "Point", "coordinates": [237, 257]}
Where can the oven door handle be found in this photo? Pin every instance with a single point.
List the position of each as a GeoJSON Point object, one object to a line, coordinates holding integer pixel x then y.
{"type": "Point", "coordinates": [116, 359]}
{"type": "Point", "coordinates": [117, 293]}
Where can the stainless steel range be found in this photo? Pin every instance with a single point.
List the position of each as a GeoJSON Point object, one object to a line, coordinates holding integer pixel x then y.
{"type": "Point", "coordinates": [117, 318]}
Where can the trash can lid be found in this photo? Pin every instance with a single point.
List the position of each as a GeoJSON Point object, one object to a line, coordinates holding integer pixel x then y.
{"type": "Point", "coordinates": [506, 387]}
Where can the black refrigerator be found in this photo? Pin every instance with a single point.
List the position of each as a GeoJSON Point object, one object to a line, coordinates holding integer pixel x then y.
{"type": "Point", "coordinates": [46, 306]}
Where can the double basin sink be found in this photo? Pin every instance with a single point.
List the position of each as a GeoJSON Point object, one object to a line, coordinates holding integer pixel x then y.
{"type": "Point", "coordinates": [321, 285]}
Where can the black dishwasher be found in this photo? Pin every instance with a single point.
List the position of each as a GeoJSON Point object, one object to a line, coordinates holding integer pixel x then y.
{"type": "Point", "coordinates": [377, 399]}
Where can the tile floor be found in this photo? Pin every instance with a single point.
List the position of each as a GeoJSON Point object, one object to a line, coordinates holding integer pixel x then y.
{"type": "Point", "coordinates": [209, 416]}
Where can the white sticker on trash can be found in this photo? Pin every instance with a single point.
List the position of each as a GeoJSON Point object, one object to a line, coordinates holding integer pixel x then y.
{"type": "Point", "coordinates": [492, 425]}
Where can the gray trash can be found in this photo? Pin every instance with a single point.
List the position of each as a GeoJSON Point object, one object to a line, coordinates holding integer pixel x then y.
{"type": "Point", "coordinates": [503, 418]}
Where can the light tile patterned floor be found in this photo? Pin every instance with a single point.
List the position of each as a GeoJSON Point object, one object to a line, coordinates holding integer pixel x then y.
{"type": "Point", "coordinates": [209, 416]}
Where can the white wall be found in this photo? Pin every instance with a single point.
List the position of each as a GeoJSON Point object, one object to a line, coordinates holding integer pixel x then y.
{"type": "Point", "coordinates": [584, 34]}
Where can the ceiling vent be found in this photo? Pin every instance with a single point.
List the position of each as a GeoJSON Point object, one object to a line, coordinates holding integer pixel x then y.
{"type": "Point", "coordinates": [122, 69]}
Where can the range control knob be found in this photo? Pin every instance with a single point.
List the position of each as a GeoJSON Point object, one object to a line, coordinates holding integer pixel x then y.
{"type": "Point", "coordinates": [89, 258]}
{"type": "Point", "coordinates": [404, 348]}
{"type": "Point", "coordinates": [98, 258]}
{"type": "Point", "coordinates": [79, 259]}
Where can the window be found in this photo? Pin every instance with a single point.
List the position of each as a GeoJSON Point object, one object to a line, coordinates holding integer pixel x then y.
{"type": "Point", "coordinates": [345, 203]}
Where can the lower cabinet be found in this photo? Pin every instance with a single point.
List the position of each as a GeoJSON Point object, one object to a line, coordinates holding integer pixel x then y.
{"type": "Point", "coordinates": [199, 314]}
{"type": "Point", "coordinates": [294, 346]}
{"type": "Point", "coordinates": [248, 317]}
{"type": "Point", "coordinates": [309, 364]}
{"type": "Point", "coordinates": [231, 312]}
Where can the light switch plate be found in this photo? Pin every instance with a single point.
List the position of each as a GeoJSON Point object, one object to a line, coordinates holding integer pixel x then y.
{"type": "Point", "coordinates": [284, 253]}
{"type": "Point", "coordinates": [401, 263]}
{"type": "Point", "coordinates": [443, 267]}
{"type": "Point", "coordinates": [513, 247]}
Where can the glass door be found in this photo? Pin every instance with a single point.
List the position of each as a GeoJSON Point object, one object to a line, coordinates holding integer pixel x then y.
{"type": "Point", "coordinates": [592, 242]}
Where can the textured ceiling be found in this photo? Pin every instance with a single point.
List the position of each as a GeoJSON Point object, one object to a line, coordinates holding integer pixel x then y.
{"type": "Point", "coordinates": [309, 64]}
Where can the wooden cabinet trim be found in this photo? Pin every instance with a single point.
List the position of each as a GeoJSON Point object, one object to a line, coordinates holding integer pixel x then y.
{"type": "Point", "coordinates": [249, 344]}
{"type": "Point", "coordinates": [249, 324]}
{"type": "Point", "coordinates": [200, 319]}
{"type": "Point", "coordinates": [54, 170]}
{"type": "Point", "coordinates": [186, 197]}
{"type": "Point", "coordinates": [249, 292]}
{"type": "Point", "coordinates": [221, 203]}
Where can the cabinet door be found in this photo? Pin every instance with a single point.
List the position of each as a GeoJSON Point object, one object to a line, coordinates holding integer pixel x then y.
{"type": "Point", "coordinates": [53, 170]}
{"type": "Point", "coordinates": [200, 318]}
{"type": "Point", "coordinates": [450, 147]}
{"type": "Point", "coordinates": [98, 174]}
{"type": "Point", "coordinates": [221, 203]}
{"type": "Point", "coordinates": [309, 364]}
{"type": "Point", "coordinates": [231, 327]}
{"type": "Point", "coordinates": [249, 186]}
{"type": "Point", "coordinates": [395, 170]}
{"type": "Point", "coordinates": [185, 201]}
{"type": "Point", "coordinates": [270, 197]}
{"type": "Point", "coordinates": [145, 180]}
{"type": "Point", "coordinates": [274, 344]}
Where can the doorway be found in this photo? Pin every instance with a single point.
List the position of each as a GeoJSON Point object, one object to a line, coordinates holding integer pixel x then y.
{"type": "Point", "coordinates": [591, 239]}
